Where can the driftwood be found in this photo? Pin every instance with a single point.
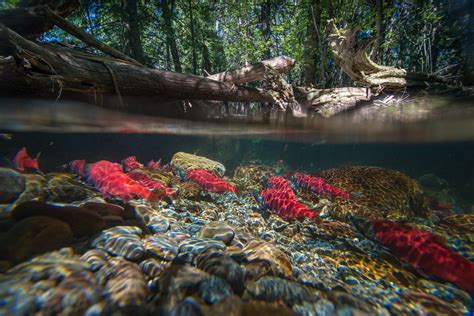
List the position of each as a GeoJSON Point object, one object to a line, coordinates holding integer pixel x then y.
{"type": "Point", "coordinates": [328, 102]}
{"type": "Point", "coordinates": [281, 64]}
{"type": "Point", "coordinates": [39, 70]}
{"type": "Point", "coordinates": [352, 57]}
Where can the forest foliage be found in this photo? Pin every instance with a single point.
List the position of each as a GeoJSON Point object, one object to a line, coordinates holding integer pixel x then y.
{"type": "Point", "coordinates": [210, 36]}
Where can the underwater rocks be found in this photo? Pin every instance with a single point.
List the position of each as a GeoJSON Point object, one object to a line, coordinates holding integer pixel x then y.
{"type": "Point", "coordinates": [217, 230]}
{"type": "Point", "coordinates": [265, 258]}
{"type": "Point", "coordinates": [62, 187]}
{"type": "Point", "coordinates": [82, 221]}
{"type": "Point", "coordinates": [250, 176]}
{"type": "Point", "coordinates": [376, 193]}
{"type": "Point", "coordinates": [122, 241]}
{"type": "Point", "coordinates": [34, 235]}
{"type": "Point", "coordinates": [12, 185]}
{"type": "Point", "coordinates": [183, 162]}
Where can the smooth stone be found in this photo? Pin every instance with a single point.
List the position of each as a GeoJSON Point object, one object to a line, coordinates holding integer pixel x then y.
{"type": "Point", "coordinates": [160, 246]}
{"type": "Point", "coordinates": [158, 224]}
{"type": "Point", "coordinates": [217, 230]}
{"type": "Point", "coordinates": [12, 185]}
{"type": "Point", "coordinates": [121, 241]}
{"type": "Point", "coordinates": [261, 252]}
{"type": "Point", "coordinates": [34, 235]}
{"type": "Point", "coordinates": [83, 222]}
{"type": "Point", "coordinates": [73, 295]}
{"type": "Point", "coordinates": [126, 288]}
{"type": "Point", "coordinates": [153, 268]}
{"type": "Point", "coordinates": [97, 258]}
{"type": "Point", "coordinates": [62, 187]}
{"type": "Point", "coordinates": [35, 188]}
{"type": "Point", "coordinates": [271, 289]}
{"type": "Point", "coordinates": [103, 208]}
{"type": "Point", "coordinates": [112, 221]}
{"type": "Point", "coordinates": [197, 245]}
{"type": "Point", "coordinates": [223, 266]}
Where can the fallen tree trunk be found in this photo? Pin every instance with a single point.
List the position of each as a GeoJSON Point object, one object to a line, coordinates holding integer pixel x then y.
{"type": "Point", "coordinates": [329, 102]}
{"type": "Point", "coordinates": [325, 102]}
{"type": "Point", "coordinates": [352, 57]}
{"type": "Point", "coordinates": [40, 70]}
{"type": "Point", "coordinates": [281, 64]}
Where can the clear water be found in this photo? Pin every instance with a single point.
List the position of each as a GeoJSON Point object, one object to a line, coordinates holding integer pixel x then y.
{"type": "Point", "coordinates": [432, 140]}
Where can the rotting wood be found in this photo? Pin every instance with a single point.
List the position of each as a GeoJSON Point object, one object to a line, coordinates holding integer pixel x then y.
{"type": "Point", "coordinates": [280, 64]}
{"type": "Point", "coordinates": [38, 70]}
{"type": "Point", "coordinates": [352, 57]}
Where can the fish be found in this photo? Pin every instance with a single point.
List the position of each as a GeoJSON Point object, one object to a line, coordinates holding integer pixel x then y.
{"type": "Point", "coordinates": [154, 164]}
{"type": "Point", "coordinates": [209, 181]}
{"type": "Point", "coordinates": [131, 163]}
{"type": "Point", "coordinates": [286, 206]}
{"type": "Point", "coordinates": [280, 184]}
{"type": "Point", "coordinates": [424, 251]}
{"type": "Point", "coordinates": [23, 162]}
{"type": "Point", "coordinates": [151, 184]}
{"type": "Point", "coordinates": [110, 179]}
{"type": "Point", "coordinates": [318, 185]}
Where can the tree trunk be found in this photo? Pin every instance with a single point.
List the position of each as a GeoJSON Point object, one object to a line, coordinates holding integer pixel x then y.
{"type": "Point", "coordinates": [170, 34]}
{"type": "Point", "coordinates": [266, 22]}
{"type": "Point", "coordinates": [133, 43]}
{"type": "Point", "coordinates": [311, 44]}
{"type": "Point", "coordinates": [193, 36]}
{"type": "Point", "coordinates": [254, 72]}
{"type": "Point", "coordinates": [54, 72]}
{"type": "Point", "coordinates": [379, 28]}
{"type": "Point", "coordinates": [353, 60]}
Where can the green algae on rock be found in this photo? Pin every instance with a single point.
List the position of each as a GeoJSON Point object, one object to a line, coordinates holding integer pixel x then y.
{"type": "Point", "coordinates": [183, 162]}
{"type": "Point", "coordinates": [376, 193]}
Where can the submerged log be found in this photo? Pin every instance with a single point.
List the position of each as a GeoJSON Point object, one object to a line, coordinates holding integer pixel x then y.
{"type": "Point", "coordinates": [35, 69]}
{"type": "Point", "coordinates": [352, 57]}
{"type": "Point", "coordinates": [281, 64]}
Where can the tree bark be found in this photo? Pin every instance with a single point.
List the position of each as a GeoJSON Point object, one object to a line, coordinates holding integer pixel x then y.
{"type": "Point", "coordinates": [265, 19]}
{"type": "Point", "coordinates": [312, 42]}
{"type": "Point", "coordinates": [170, 33]}
{"type": "Point", "coordinates": [353, 60]}
{"type": "Point", "coordinates": [43, 71]}
{"type": "Point", "coordinates": [379, 29]}
{"type": "Point", "coordinates": [193, 36]}
{"type": "Point", "coordinates": [133, 43]}
{"type": "Point", "coordinates": [254, 72]}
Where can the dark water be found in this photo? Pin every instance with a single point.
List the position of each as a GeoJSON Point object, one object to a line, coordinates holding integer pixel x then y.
{"type": "Point", "coordinates": [452, 161]}
{"type": "Point", "coordinates": [327, 265]}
